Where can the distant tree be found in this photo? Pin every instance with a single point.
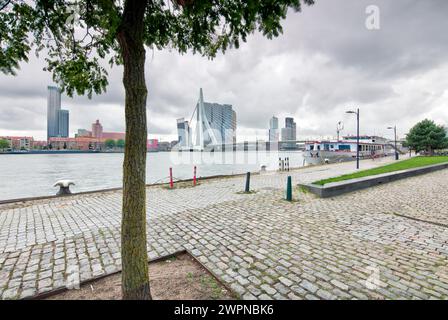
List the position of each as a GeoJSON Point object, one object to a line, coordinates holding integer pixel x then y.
{"type": "Point", "coordinates": [427, 136]}
{"type": "Point", "coordinates": [110, 144]}
{"type": "Point", "coordinates": [118, 31]}
{"type": "Point", "coordinates": [120, 143]}
{"type": "Point", "coordinates": [4, 144]}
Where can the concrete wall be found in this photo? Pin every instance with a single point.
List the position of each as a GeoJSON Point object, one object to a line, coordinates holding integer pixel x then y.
{"type": "Point", "coordinates": [338, 188]}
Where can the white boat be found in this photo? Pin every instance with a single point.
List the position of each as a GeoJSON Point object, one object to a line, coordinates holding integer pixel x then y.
{"type": "Point", "coordinates": [328, 151]}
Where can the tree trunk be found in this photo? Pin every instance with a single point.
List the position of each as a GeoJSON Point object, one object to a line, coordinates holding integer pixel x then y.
{"type": "Point", "coordinates": [135, 278]}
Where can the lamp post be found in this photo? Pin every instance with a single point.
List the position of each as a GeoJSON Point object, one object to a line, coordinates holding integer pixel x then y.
{"type": "Point", "coordinates": [339, 128]}
{"type": "Point", "coordinates": [357, 135]}
{"type": "Point", "coordinates": [395, 139]}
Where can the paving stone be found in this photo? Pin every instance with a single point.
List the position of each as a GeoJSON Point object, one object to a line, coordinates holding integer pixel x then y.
{"type": "Point", "coordinates": [268, 289]}
{"type": "Point", "coordinates": [309, 286]}
{"type": "Point", "coordinates": [313, 249]}
{"type": "Point", "coordinates": [285, 281]}
{"type": "Point", "coordinates": [10, 294]}
{"type": "Point", "coordinates": [238, 289]}
{"type": "Point", "coordinates": [249, 296]}
{"type": "Point", "coordinates": [27, 293]}
{"type": "Point", "coordinates": [321, 293]}
{"type": "Point", "coordinates": [339, 284]}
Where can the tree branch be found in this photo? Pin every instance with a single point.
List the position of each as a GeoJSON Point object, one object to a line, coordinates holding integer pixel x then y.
{"type": "Point", "coordinates": [5, 4]}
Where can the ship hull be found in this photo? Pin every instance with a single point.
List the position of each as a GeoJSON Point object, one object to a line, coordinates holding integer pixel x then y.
{"type": "Point", "coordinates": [322, 157]}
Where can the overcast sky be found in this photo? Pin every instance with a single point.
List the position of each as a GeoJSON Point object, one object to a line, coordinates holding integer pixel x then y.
{"type": "Point", "coordinates": [326, 62]}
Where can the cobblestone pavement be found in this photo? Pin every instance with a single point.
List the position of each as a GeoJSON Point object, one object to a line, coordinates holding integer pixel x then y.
{"type": "Point", "coordinates": [386, 242]}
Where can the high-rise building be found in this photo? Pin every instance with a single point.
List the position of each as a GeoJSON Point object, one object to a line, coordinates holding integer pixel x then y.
{"type": "Point", "coordinates": [63, 123]}
{"type": "Point", "coordinates": [289, 131]}
{"type": "Point", "coordinates": [222, 120]}
{"type": "Point", "coordinates": [97, 129]}
{"type": "Point", "coordinates": [53, 107]}
{"type": "Point", "coordinates": [57, 119]}
{"type": "Point", "coordinates": [273, 130]}
{"type": "Point", "coordinates": [183, 132]}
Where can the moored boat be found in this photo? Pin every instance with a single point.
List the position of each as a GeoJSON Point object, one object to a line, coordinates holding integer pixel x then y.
{"type": "Point", "coordinates": [333, 151]}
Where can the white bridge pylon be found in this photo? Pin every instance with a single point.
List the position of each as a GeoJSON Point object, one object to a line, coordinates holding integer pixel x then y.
{"type": "Point", "coordinates": [202, 121]}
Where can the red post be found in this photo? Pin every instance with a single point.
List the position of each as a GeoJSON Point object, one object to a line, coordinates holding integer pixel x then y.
{"type": "Point", "coordinates": [194, 176]}
{"type": "Point", "coordinates": [171, 178]}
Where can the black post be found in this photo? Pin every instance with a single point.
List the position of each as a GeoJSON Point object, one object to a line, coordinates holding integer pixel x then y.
{"type": "Point", "coordinates": [289, 189]}
{"type": "Point", "coordinates": [247, 182]}
{"type": "Point", "coordinates": [357, 139]}
{"type": "Point", "coordinates": [396, 150]}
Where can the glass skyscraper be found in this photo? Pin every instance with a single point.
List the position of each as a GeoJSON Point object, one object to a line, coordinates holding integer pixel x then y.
{"type": "Point", "coordinates": [273, 130]}
{"type": "Point", "coordinates": [57, 119]}
{"type": "Point", "coordinates": [53, 107]}
{"type": "Point", "coordinates": [63, 123]}
{"type": "Point", "coordinates": [222, 120]}
{"type": "Point", "coordinates": [183, 132]}
{"type": "Point", "coordinates": [289, 133]}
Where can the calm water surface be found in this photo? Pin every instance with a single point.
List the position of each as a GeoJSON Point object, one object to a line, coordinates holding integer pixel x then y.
{"type": "Point", "coordinates": [34, 175]}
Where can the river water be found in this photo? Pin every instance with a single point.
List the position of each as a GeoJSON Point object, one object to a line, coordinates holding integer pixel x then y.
{"type": "Point", "coordinates": [31, 175]}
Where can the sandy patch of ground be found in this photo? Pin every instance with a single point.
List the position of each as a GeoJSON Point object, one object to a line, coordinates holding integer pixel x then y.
{"type": "Point", "coordinates": [180, 277]}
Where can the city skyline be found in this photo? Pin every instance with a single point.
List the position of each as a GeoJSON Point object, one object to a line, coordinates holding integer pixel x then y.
{"type": "Point", "coordinates": [394, 77]}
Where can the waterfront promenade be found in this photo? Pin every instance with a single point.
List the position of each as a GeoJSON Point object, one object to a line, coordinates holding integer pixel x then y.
{"type": "Point", "coordinates": [386, 242]}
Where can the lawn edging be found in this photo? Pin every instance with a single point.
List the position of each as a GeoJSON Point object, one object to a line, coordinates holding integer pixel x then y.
{"type": "Point", "coordinates": [346, 186]}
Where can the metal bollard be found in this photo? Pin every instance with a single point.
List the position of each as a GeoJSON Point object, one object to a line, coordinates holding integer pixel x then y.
{"type": "Point", "coordinates": [64, 187]}
{"type": "Point", "coordinates": [289, 189]}
{"type": "Point", "coordinates": [194, 176]}
{"type": "Point", "coordinates": [171, 178]}
{"type": "Point", "coordinates": [247, 182]}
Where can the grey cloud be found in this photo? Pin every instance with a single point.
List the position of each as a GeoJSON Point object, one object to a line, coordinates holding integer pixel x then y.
{"type": "Point", "coordinates": [325, 62]}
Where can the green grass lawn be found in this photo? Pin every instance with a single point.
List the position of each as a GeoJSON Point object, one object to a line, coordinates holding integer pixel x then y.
{"type": "Point", "coordinates": [399, 165]}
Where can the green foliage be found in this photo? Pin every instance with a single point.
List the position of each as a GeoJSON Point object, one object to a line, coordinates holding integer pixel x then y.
{"type": "Point", "coordinates": [110, 143]}
{"type": "Point", "coordinates": [4, 144]}
{"type": "Point", "coordinates": [120, 143]}
{"type": "Point", "coordinates": [427, 136]}
{"type": "Point", "coordinates": [396, 166]}
{"type": "Point", "coordinates": [76, 36]}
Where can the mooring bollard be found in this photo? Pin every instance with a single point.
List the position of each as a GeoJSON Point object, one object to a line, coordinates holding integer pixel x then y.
{"type": "Point", "coordinates": [247, 182]}
{"type": "Point", "coordinates": [64, 187]}
{"type": "Point", "coordinates": [194, 176]}
{"type": "Point", "coordinates": [171, 178]}
{"type": "Point", "coordinates": [289, 189]}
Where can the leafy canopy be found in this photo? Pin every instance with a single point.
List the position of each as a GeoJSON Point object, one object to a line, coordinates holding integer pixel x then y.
{"type": "Point", "coordinates": [428, 136]}
{"type": "Point", "coordinates": [110, 143]}
{"type": "Point", "coordinates": [77, 35]}
{"type": "Point", "coordinates": [120, 143]}
{"type": "Point", "coordinates": [4, 144]}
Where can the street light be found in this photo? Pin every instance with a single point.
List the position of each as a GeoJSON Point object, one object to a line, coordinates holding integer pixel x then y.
{"type": "Point", "coordinates": [395, 138]}
{"type": "Point", "coordinates": [357, 135]}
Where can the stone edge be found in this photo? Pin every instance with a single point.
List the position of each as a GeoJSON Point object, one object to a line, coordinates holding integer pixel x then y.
{"type": "Point", "coordinates": [339, 188]}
